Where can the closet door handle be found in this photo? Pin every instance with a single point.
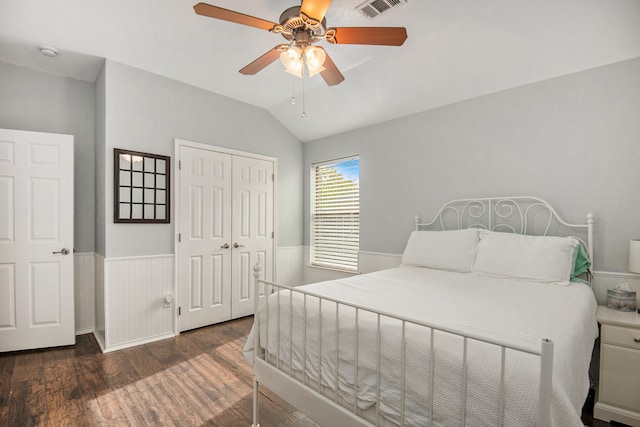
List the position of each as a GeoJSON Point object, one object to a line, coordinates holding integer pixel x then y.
{"type": "Point", "coordinates": [236, 245]}
{"type": "Point", "coordinates": [225, 246]}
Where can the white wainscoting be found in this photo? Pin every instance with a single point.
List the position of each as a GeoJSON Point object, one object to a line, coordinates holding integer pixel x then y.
{"type": "Point", "coordinates": [134, 290]}
{"type": "Point", "coordinates": [99, 332]}
{"type": "Point", "coordinates": [368, 262]}
{"type": "Point", "coordinates": [317, 274]}
{"type": "Point", "coordinates": [84, 292]}
{"type": "Point", "coordinates": [289, 265]}
{"type": "Point", "coordinates": [126, 294]}
{"type": "Point", "coordinates": [129, 296]}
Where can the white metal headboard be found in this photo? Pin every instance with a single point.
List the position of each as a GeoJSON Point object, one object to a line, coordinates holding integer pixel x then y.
{"type": "Point", "coordinates": [520, 214]}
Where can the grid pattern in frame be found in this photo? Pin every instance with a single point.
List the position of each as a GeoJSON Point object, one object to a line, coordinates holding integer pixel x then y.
{"type": "Point", "coordinates": [141, 187]}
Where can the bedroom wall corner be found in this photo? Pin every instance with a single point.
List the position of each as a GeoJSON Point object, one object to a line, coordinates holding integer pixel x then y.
{"type": "Point", "coordinates": [99, 170]}
{"type": "Point", "coordinates": [84, 292]}
{"type": "Point", "coordinates": [99, 303]}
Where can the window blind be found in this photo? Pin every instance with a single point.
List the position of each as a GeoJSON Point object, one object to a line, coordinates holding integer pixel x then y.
{"type": "Point", "coordinates": [335, 208]}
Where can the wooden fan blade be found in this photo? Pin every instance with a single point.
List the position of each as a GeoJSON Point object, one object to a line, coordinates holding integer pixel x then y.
{"type": "Point", "coordinates": [261, 62]}
{"type": "Point", "coordinates": [315, 9]}
{"type": "Point", "coordinates": [216, 12]}
{"type": "Point", "coordinates": [387, 36]}
{"type": "Point", "coordinates": [331, 75]}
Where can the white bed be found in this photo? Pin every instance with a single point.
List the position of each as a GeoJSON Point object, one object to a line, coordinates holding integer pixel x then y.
{"type": "Point", "coordinates": [434, 346]}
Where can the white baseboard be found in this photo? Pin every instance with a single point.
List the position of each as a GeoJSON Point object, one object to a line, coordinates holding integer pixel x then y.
{"type": "Point", "coordinates": [99, 340]}
{"type": "Point", "coordinates": [134, 343]}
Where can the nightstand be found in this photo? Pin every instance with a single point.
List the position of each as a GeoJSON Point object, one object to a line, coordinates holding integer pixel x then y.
{"type": "Point", "coordinates": [618, 396]}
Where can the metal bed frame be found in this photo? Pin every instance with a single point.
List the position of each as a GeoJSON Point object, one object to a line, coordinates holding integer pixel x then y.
{"type": "Point", "coordinates": [522, 215]}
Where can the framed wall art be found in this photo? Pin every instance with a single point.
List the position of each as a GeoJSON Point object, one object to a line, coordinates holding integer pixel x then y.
{"type": "Point", "coordinates": [141, 187]}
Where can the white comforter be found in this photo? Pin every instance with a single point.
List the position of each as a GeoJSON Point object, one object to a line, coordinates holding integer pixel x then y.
{"type": "Point", "coordinates": [514, 311]}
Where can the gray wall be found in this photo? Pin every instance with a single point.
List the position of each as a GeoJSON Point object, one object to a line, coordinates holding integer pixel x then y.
{"type": "Point", "coordinates": [573, 140]}
{"type": "Point", "coordinates": [145, 112]}
{"type": "Point", "coordinates": [100, 163]}
{"type": "Point", "coordinates": [36, 101]}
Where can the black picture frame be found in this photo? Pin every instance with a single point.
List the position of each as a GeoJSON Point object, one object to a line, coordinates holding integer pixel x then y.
{"type": "Point", "coordinates": [142, 187]}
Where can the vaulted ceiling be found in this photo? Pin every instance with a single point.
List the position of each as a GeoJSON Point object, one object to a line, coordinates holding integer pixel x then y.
{"type": "Point", "coordinates": [456, 50]}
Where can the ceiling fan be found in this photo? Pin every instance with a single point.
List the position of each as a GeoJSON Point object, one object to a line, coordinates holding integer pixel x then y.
{"type": "Point", "coordinates": [302, 26]}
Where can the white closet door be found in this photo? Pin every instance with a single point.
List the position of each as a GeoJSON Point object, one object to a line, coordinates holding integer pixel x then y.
{"type": "Point", "coordinates": [204, 265]}
{"type": "Point", "coordinates": [252, 225]}
{"type": "Point", "coordinates": [36, 240]}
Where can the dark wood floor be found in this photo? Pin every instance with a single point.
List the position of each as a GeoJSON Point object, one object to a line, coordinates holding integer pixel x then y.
{"type": "Point", "coordinates": [199, 378]}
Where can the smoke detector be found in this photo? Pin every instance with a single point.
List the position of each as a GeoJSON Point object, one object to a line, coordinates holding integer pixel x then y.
{"type": "Point", "coordinates": [49, 51]}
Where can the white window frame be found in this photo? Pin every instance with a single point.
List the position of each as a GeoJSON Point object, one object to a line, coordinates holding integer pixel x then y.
{"type": "Point", "coordinates": [322, 258]}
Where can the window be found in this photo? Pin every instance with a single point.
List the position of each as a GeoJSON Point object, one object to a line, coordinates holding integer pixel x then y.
{"type": "Point", "coordinates": [335, 214]}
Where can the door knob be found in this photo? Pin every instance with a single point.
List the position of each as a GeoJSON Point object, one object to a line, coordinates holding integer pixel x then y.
{"type": "Point", "coordinates": [63, 251]}
{"type": "Point", "coordinates": [236, 245]}
{"type": "Point", "coordinates": [225, 246]}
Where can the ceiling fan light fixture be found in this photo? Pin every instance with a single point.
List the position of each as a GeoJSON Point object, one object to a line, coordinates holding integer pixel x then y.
{"type": "Point", "coordinates": [292, 60]}
{"type": "Point", "coordinates": [304, 25]}
{"type": "Point", "coordinates": [315, 70]}
{"type": "Point", "coordinates": [315, 57]}
{"type": "Point", "coordinates": [294, 71]}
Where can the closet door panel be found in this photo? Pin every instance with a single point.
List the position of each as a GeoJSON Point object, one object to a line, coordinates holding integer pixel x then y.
{"type": "Point", "coordinates": [252, 228]}
{"type": "Point", "coordinates": [204, 251]}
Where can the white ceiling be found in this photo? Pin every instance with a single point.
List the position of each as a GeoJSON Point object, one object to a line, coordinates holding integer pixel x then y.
{"type": "Point", "coordinates": [456, 50]}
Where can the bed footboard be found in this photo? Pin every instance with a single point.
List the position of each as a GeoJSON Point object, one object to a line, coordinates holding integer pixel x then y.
{"type": "Point", "coordinates": [345, 364]}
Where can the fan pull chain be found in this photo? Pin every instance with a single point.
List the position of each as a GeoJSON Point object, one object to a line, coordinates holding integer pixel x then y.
{"type": "Point", "coordinates": [293, 90]}
{"type": "Point", "coordinates": [304, 113]}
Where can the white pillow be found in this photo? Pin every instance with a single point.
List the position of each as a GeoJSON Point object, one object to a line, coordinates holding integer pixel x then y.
{"type": "Point", "coordinates": [444, 250]}
{"type": "Point", "coordinates": [535, 258]}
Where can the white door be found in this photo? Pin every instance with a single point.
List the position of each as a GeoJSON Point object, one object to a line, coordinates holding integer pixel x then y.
{"type": "Point", "coordinates": [252, 226]}
{"type": "Point", "coordinates": [225, 226]}
{"type": "Point", "coordinates": [36, 240]}
{"type": "Point", "coordinates": [204, 264]}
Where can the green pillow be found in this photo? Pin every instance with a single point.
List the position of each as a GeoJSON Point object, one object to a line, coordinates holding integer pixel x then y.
{"type": "Point", "coordinates": [581, 262]}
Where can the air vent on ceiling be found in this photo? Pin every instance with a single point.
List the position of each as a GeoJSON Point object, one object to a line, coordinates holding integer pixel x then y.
{"type": "Point", "coordinates": [374, 8]}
